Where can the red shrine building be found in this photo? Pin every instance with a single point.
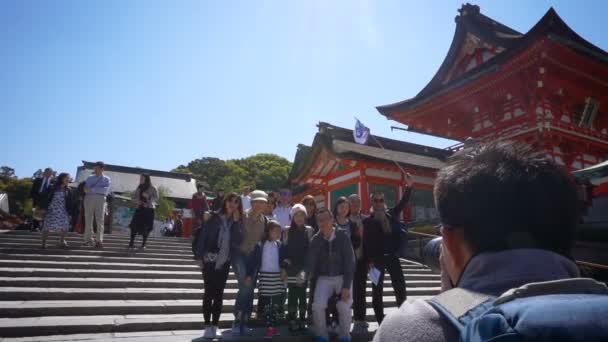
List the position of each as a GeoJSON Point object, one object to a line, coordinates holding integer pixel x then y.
{"type": "Point", "coordinates": [547, 87]}
{"type": "Point", "coordinates": [335, 165]}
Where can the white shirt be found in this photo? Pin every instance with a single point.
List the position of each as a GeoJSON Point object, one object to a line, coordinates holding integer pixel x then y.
{"type": "Point", "coordinates": [45, 183]}
{"type": "Point", "coordinates": [270, 257]}
{"type": "Point", "coordinates": [246, 199]}
{"type": "Point", "coordinates": [283, 215]}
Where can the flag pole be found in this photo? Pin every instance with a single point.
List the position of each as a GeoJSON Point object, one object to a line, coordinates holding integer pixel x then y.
{"type": "Point", "coordinates": [382, 147]}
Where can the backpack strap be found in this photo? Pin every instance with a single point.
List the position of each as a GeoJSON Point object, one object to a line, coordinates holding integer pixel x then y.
{"type": "Point", "coordinates": [562, 286]}
{"type": "Point", "coordinates": [460, 305]}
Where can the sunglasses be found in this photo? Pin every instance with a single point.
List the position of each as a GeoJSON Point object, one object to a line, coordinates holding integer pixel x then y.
{"type": "Point", "coordinates": [284, 193]}
{"type": "Point", "coordinates": [309, 203]}
{"type": "Point", "coordinates": [379, 200]}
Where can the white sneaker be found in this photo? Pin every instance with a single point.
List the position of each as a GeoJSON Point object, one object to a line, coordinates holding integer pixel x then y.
{"type": "Point", "coordinates": [214, 328]}
{"type": "Point", "coordinates": [209, 333]}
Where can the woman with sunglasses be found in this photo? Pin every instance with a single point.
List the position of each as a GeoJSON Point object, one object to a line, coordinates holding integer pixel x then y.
{"type": "Point", "coordinates": [213, 249]}
{"type": "Point", "coordinates": [383, 235]}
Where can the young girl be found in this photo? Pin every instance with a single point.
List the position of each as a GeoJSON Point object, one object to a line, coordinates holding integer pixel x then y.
{"type": "Point", "coordinates": [296, 240]}
{"type": "Point", "coordinates": [59, 206]}
{"type": "Point", "coordinates": [266, 258]}
{"type": "Point", "coordinates": [212, 247]}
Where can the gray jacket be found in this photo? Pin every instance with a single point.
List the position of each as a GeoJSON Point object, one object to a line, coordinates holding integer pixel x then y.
{"type": "Point", "coordinates": [490, 273]}
{"type": "Point", "coordinates": [333, 257]}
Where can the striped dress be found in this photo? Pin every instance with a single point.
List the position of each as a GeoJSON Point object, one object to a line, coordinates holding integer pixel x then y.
{"type": "Point", "coordinates": [270, 282]}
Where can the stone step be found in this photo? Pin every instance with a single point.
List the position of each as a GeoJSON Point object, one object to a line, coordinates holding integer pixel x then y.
{"type": "Point", "coordinates": [107, 238]}
{"type": "Point", "coordinates": [128, 267]}
{"type": "Point", "coordinates": [41, 292]}
{"type": "Point", "coordinates": [14, 309]}
{"type": "Point", "coordinates": [53, 325]}
{"type": "Point", "coordinates": [136, 258]}
{"type": "Point", "coordinates": [107, 247]}
{"type": "Point", "coordinates": [182, 336]}
{"type": "Point", "coordinates": [150, 274]}
{"type": "Point", "coordinates": [124, 253]}
{"type": "Point", "coordinates": [411, 281]}
{"type": "Point", "coordinates": [121, 294]}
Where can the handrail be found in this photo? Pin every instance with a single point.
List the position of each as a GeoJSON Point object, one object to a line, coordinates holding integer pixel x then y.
{"type": "Point", "coordinates": [424, 234]}
{"type": "Point", "coordinates": [420, 236]}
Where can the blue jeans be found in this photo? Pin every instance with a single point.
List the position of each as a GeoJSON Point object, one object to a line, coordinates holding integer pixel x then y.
{"type": "Point", "coordinates": [244, 297]}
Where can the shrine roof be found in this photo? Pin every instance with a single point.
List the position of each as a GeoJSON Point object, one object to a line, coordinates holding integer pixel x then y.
{"type": "Point", "coordinates": [340, 142]}
{"type": "Point", "coordinates": [507, 42]}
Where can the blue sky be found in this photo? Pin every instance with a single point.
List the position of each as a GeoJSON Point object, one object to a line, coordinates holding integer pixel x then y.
{"type": "Point", "coordinates": [156, 84]}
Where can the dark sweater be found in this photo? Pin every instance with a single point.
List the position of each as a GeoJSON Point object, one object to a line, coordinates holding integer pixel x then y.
{"type": "Point", "coordinates": [206, 238]}
{"type": "Point", "coordinates": [297, 242]}
{"type": "Point", "coordinates": [333, 257]}
{"type": "Point", "coordinates": [376, 243]}
{"type": "Point", "coordinates": [254, 262]}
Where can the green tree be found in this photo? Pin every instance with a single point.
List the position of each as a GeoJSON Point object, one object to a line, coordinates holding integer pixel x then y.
{"type": "Point", "coordinates": [266, 171]}
{"type": "Point", "coordinates": [209, 170]}
{"type": "Point", "coordinates": [18, 191]}
{"type": "Point", "coordinates": [165, 206]}
{"type": "Point", "coordinates": [7, 172]}
{"type": "Point", "coordinates": [261, 171]}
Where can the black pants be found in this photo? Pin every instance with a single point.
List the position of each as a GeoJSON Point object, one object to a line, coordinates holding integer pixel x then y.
{"type": "Point", "coordinates": [134, 233]}
{"type": "Point", "coordinates": [270, 308]}
{"type": "Point", "coordinates": [359, 282]}
{"type": "Point", "coordinates": [142, 223]}
{"type": "Point", "coordinates": [296, 301]}
{"type": "Point", "coordinates": [214, 282]}
{"type": "Point", "coordinates": [393, 266]}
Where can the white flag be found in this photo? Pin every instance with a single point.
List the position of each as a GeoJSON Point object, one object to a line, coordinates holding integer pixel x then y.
{"type": "Point", "coordinates": [361, 133]}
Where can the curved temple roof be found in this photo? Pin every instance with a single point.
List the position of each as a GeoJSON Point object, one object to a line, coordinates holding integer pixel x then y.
{"type": "Point", "coordinates": [477, 31]}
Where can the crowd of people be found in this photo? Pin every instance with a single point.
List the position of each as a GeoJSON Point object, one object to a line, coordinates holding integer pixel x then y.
{"type": "Point", "coordinates": [508, 217]}
{"type": "Point", "coordinates": [57, 207]}
{"type": "Point", "coordinates": [282, 249]}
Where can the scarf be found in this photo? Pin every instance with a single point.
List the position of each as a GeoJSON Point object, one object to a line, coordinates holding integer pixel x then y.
{"type": "Point", "coordinates": [223, 242]}
{"type": "Point", "coordinates": [381, 217]}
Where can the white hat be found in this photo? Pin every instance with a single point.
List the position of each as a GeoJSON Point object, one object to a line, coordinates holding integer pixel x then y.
{"type": "Point", "coordinates": [297, 208]}
{"type": "Point", "coordinates": [258, 195]}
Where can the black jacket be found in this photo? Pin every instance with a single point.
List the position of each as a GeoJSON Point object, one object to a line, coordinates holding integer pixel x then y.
{"type": "Point", "coordinates": [45, 199]}
{"type": "Point", "coordinates": [355, 238]}
{"type": "Point", "coordinates": [35, 193]}
{"type": "Point", "coordinates": [332, 257]}
{"type": "Point", "coordinates": [375, 243]}
{"type": "Point", "coordinates": [312, 221]}
{"type": "Point", "coordinates": [205, 240]}
{"type": "Point", "coordinates": [297, 242]}
{"type": "Point", "coordinates": [254, 262]}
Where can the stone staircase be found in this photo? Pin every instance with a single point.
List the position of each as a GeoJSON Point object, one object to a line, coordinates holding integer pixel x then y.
{"type": "Point", "coordinates": [115, 294]}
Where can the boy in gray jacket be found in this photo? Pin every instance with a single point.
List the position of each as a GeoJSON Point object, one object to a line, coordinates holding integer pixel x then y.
{"type": "Point", "coordinates": [332, 261]}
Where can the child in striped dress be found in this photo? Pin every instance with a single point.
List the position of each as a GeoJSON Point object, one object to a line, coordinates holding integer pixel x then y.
{"type": "Point", "coordinates": [265, 260]}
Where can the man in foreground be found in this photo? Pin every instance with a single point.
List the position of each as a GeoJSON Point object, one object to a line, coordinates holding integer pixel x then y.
{"type": "Point", "coordinates": [508, 218]}
{"type": "Point", "coordinates": [331, 261]}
